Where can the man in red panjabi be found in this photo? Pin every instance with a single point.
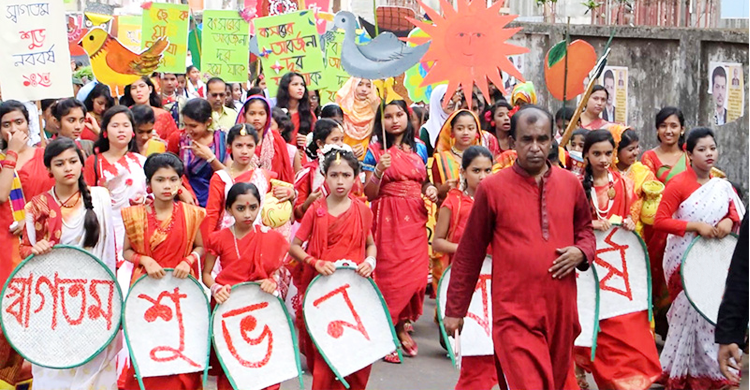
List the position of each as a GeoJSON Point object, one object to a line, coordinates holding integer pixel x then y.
{"type": "Point", "coordinates": [535, 316]}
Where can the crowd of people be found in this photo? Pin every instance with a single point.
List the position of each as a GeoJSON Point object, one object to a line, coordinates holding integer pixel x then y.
{"type": "Point", "coordinates": [175, 173]}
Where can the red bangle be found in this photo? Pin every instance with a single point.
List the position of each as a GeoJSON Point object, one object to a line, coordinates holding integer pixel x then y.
{"type": "Point", "coordinates": [11, 153]}
{"type": "Point", "coordinates": [308, 260]}
{"type": "Point", "coordinates": [136, 259]}
{"type": "Point", "coordinates": [190, 259]}
{"type": "Point", "coordinates": [8, 164]}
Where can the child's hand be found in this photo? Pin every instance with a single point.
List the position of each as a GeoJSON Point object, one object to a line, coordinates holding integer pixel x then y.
{"type": "Point", "coordinates": [268, 285]}
{"type": "Point", "coordinates": [221, 294]}
{"type": "Point", "coordinates": [628, 224]}
{"type": "Point", "coordinates": [182, 270]}
{"type": "Point", "coordinates": [153, 269]}
{"type": "Point", "coordinates": [325, 268]}
{"type": "Point", "coordinates": [41, 247]}
{"type": "Point", "coordinates": [364, 269]}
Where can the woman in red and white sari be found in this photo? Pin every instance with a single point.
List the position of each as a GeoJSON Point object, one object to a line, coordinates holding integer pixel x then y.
{"type": "Point", "coordinates": [693, 203]}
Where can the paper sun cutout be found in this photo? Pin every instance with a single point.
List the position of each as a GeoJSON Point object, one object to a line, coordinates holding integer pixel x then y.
{"type": "Point", "coordinates": [117, 66]}
{"type": "Point", "coordinates": [469, 46]}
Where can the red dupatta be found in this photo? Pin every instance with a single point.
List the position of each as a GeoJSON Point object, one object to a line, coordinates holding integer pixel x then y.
{"type": "Point", "coordinates": [47, 221]}
{"type": "Point", "coordinates": [261, 251]}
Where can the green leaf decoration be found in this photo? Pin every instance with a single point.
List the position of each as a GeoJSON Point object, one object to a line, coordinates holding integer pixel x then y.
{"type": "Point", "coordinates": [556, 53]}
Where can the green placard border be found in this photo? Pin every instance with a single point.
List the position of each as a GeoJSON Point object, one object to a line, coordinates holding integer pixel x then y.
{"type": "Point", "coordinates": [385, 308]}
{"type": "Point", "coordinates": [115, 327]}
{"type": "Point", "coordinates": [682, 276]}
{"type": "Point", "coordinates": [127, 339]}
{"type": "Point", "coordinates": [295, 343]}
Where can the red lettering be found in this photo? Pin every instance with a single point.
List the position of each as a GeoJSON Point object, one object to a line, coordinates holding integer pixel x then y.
{"type": "Point", "coordinates": [484, 321]}
{"type": "Point", "coordinates": [611, 270]}
{"type": "Point", "coordinates": [336, 328]}
{"type": "Point", "coordinates": [247, 325]}
{"type": "Point", "coordinates": [165, 313]}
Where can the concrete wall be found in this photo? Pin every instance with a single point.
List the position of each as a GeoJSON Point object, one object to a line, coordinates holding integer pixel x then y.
{"type": "Point", "coordinates": [667, 66]}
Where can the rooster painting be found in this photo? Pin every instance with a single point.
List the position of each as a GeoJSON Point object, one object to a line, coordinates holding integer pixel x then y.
{"type": "Point", "coordinates": [117, 66]}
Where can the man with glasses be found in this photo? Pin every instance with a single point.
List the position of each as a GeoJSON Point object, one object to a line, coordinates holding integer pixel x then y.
{"type": "Point", "coordinates": [223, 116]}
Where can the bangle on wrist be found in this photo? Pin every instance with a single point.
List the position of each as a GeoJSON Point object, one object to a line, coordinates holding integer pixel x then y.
{"type": "Point", "coordinates": [8, 164]}
{"type": "Point", "coordinates": [378, 175]}
{"type": "Point", "coordinates": [215, 287]}
{"type": "Point", "coordinates": [136, 258]}
{"type": "Point", "coordinates": [11, 153]}
{"type": "Point", "coordinates": [308, 260]}
{"type": "Point", "coordinates": [371, 260]}
{"type": "Point", "coordinates": [210, 160]}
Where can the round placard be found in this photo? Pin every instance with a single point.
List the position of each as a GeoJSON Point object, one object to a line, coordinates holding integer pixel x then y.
{"type": "Point", "coordinates": [704, 273]}
{"type": "Point", "coordinates": [62, 308]}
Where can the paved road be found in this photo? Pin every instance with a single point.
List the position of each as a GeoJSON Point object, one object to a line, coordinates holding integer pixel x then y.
{"type": "Point", "coordinates": [430, 370]}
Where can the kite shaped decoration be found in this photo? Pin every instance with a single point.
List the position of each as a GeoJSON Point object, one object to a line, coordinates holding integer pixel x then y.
{"type": "Point", "coordinates": [469, 46]}
{"type": "Point", "coordinates": [117, 66]}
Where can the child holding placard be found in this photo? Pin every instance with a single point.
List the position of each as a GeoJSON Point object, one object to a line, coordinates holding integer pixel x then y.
{"type": "Point", "coordinates": [249, 253]}
{"type": "Point", "coordinates": [335, 227]}
{"type": "Point", "coordinates": [477, 372]}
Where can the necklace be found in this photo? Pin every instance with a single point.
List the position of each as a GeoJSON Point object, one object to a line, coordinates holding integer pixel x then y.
{"type": "Point", "coordinates": [457, 152]}
{"type": "Point", "coordinates": [158, 226]}
{"type": "Point", "coordinates": [65, 203]}
{"type": "Point", "coordinates": [602, 214]}
{"type": "Point", "coordinates": [236, 248]}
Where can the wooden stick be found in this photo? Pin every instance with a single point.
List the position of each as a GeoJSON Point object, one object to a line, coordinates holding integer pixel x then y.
{"type": "Point", "coordinates": [42, 136]}
{"type": "Point", "coordinates": [593, 76]}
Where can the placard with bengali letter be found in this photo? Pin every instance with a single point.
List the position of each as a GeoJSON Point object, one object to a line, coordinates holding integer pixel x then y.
{"type": "Point", "coordinates": [225, 45]}
{"type": "Point", "coordinates": [171, 21]}
{"type": "Point", "coordinates": [35, 61]}
{"type": "Point", "coordinates": [290, 43]}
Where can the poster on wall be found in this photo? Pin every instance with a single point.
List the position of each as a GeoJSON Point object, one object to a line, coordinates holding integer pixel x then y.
{"type": "Point", "coordinates": [510, 81]}
{"type": "Point", "coordinates": [726, 84]}
{"type": "Point", "coordinates": [615, 81]}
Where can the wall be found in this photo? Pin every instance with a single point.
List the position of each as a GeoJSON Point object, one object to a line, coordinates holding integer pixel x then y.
{"type": "Point", "coordinates": [667, 66]}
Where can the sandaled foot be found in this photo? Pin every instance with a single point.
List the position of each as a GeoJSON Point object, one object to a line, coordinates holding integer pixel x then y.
{"type": "Point", "coordinates": [392, 358]}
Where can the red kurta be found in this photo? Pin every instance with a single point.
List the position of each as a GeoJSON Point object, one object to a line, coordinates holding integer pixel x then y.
{"type": "Point", "coordinates": [295, 121]}
{"type": "Point", "coordinates": [626, 356]}
{"type": "Point", "coordinates": [400, 234]}
{"type": "Point", "coordinates": [262, 253]}
{"type": "Point", "coordinates": [526, 222]}
{"type": "Point", "coordinates": [331, 238]}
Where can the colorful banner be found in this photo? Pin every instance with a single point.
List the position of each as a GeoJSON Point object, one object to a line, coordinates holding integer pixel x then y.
{"type": "Point", "coordinates": [290, 43]}
{"type": "Point", "coordinates": [727, 85]}
{"type": "Point", "coordinates": [336, 76]}
{"type": "Point", "coordinates": [615, 81]}
{"type": "Point", "coordinates": [129, 32]}
{"type": "Point", "coordinates": [35, 58]}
{"type": "Point", "coordinates": [225, 45]}
{"type": "Point", "coordinates": [171, 21]}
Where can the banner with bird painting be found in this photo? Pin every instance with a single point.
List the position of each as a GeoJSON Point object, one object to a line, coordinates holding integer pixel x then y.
{"type": "Point", "coordinates": [35, 61]}
{"type": "Point", "coordinates": [290, 43]}
{"type": "Point", "coordinates": [168, 21]}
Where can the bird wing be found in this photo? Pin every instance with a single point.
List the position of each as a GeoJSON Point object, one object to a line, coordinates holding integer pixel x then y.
{"type": "Point", "coordinates": [385, 47]}
{"type": "Point", "coordinates": [118, 57]}
{"type": "Point", "coordinates": [148, 61]}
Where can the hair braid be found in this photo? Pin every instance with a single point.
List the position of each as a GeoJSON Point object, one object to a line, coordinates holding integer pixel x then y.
{"type": "Point", "coordinates": [90, 223]}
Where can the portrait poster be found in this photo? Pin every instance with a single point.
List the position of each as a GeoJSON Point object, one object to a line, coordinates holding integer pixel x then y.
{"type": "Point", "coordinates": [615, 81]}
{"type": "Point", "coordinates": [726, 85]}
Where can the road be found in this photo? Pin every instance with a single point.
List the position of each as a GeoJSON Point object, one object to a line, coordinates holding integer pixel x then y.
{"type": "Point", "coordinates": [432, 369]}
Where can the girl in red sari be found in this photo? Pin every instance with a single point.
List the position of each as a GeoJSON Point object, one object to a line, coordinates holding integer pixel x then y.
{"type": "Point", "coordinates": [241, 143]}
{"type": "Point", "coordinates": [591, 118]}
{"type": "Point", "coordinates": [248, 252]}
{"type": "Point", "coordinates": [499, 120]}
{"type": "Point", "coordinates": [335, 227]}
{"type": "Point", "coordinates": [143, 91]}
{"type": "Point", "coordinates": [396, 179]}
{"type": "Point", "coordinates": [626, 356]}
{"type": "Point", "coordinates": [23, 176]}
{"type": "Point", "coordinates": [164, 234]}
{"type": "Point", "coordinates": [477, 372]}
{"type": "Point", "coordinates": [666, 161]}
{"type": "Point", "coordinates": [293, 96]}
{"type": "Point", "coordinates": [271, 148]}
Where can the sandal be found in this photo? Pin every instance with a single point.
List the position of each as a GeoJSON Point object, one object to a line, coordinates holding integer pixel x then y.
{"type": "Point", "coordinates": [582, 382]}
{"type": "Point", "coordinates": [392, 358]}
{"type": "Point", "coordinates": [409, 346]}
{"type": "Point", "coordinates": [408, 327]}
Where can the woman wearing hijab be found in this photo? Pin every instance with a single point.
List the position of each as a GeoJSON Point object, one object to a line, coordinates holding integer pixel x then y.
{"type": "Point", "coordinates": [438, 115]}
{"type": "Point", "coordinates": [359, 100]}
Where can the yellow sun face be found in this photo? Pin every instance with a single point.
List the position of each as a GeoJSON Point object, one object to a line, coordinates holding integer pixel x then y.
{"type": "Point", "coordinates": [468, 46]}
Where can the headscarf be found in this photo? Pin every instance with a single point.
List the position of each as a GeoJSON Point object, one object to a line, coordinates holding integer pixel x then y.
{"type": "Point", "coordinates": [358, 114]}
{"type": "Point", "coordinates": [437, 114]}
{"type": "Point", "coordinates": [523, 93]}
{"type": "Point", "coordinates": [445, 140]}
{"type": "Point", "coordinates": [266, 148]}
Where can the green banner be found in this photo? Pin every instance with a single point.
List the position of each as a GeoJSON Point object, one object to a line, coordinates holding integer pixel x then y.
{"type": "Point", "coordinates": [170, 21]}
{"type": "Point", "coordinates": [335, 74]}
{"type": "Point", "coordinates": [225, 45]}
{"type": "Point", "coordinates": [290, 43]}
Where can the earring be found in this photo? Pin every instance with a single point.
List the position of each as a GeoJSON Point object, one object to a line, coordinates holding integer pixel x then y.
{"type": "Point", "coordinates": [148, 190]}
{"type": "Point", "coordinates": [492, 123]}
{"type": "Point", "coordinates": [179, 192]}
{"type": "Point", "coordinates": [51, 175]}
{"type": "Point", "coordinates": [104, 133]}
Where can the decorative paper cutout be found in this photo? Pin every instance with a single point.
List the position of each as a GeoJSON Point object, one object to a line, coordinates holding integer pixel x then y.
{"type": "Point", "coordinates": [580, 62]}
{"type": "Point", "coordinates": [469, 46]}
{"type": "Point", "coordinates": [117, 66]}
{"type": "Point", "coordinates": [75, 33]}
{"type": "Point", "coordinates": [414, 76]}
{"type": "Point", "coordinates": [385, 56]}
